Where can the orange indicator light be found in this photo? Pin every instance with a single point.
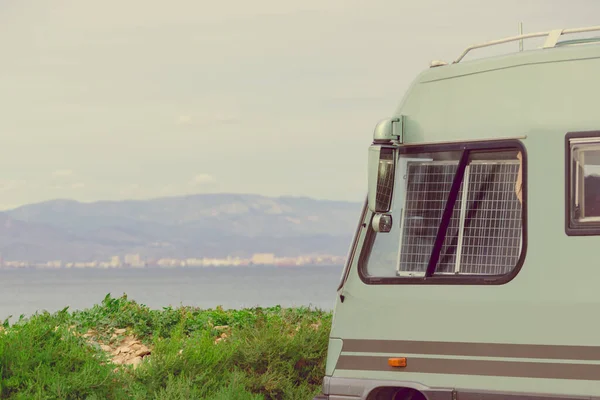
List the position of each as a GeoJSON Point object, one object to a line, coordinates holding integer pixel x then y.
{"type": "Point", "coordinates": [397, 362]}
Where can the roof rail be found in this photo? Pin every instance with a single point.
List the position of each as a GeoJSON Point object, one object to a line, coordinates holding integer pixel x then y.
{"type": "Point", "coordinates": [552, 38]}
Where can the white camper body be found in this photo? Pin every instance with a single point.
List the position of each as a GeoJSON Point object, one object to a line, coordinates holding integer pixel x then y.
{"type": "Point", "coordinates": [475, 269]}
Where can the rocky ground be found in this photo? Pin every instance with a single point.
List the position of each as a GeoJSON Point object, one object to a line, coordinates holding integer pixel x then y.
{"type": "Point", "coordinates": [124, 348]}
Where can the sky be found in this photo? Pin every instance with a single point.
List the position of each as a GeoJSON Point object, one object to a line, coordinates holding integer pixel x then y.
{"type": "Point", "coordinates": [135, 99]}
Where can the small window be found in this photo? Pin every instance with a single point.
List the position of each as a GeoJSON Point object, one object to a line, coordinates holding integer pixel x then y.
{"type": "Point", "coordinates": [484, 235]}
{"type": "Point", "coordinates": [583, 183]}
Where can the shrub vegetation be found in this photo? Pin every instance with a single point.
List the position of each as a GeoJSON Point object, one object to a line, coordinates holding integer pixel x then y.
{"type": "Point", "coordinates": [119, 349]}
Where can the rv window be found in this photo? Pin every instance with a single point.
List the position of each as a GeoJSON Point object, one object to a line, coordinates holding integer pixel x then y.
{"type": "Point", "coordinates": [484, 234]}
{"type": "Point", "coordinates": [584, 185]}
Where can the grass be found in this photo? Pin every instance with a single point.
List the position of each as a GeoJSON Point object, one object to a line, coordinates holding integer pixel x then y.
{"type": "Point", "coordinates": [216, 354]}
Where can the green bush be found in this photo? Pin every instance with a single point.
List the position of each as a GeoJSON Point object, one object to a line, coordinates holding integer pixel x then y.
{"type": "Point", "coordinates": [268, 353]}
{"type": "Point", "coordinates": [40, 359]}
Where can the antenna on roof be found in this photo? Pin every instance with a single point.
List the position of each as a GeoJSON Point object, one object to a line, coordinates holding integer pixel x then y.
{"type": "Point", "coordinates": [520, 33]}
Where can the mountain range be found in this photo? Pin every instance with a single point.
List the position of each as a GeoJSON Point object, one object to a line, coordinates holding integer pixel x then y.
{"type": "Point", "coordinates": [203, 225]}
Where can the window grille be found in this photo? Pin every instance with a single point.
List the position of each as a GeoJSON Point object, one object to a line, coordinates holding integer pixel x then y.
{"type": "Point", "coordinates": [484, 233]}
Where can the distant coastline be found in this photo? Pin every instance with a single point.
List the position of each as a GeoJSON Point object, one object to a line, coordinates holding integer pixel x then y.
{"type": "Point", "coordinates": [34, 266]}
{"type": "Point", "coordinates": [199, 230]}
{"type": "Point", "coordinates": [137, 262]}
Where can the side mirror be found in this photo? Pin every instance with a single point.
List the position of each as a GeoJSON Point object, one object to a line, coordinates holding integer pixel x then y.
{"type": "Point", "coordinates": [381, 169]}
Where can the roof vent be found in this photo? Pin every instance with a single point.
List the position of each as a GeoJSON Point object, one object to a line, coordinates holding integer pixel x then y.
{"type": "Point", "coordinates": [437, 63]}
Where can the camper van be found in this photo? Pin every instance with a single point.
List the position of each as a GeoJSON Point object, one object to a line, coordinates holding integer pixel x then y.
{"type": "Point", "coordinates": [474, 272]}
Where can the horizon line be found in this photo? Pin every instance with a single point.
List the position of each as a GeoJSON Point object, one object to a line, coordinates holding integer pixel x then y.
{"type": "Point", "coordinates": [155, 198]}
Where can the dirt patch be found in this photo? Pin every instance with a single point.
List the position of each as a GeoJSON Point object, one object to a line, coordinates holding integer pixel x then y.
{"type": "Point", "coordinates": [125, 348]}
{"type": "Point", "coordinates": [225, 332]}
{"type": "Point", "coordinates": [122, 348]}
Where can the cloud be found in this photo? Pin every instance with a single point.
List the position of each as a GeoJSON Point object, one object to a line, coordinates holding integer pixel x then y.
{"type": "Point", "coordinates": [169, 190]}
{"type": "Point", "coordinates": [67, 186]}
{"type": "Point", "coordinates": [10, 184]}
{"type": "Point", "coordinates": [132, 190]}
{"type": "Point", "coordinates": [224, 118]}
{"type": "Point", "coordinates": [184, 120]}
{"type": "Point", "coordinates": [201, 180]}
{"type": "Point", "coordinates": [7, 207]}
{"type": "Point", "coordinates": [62, 173]}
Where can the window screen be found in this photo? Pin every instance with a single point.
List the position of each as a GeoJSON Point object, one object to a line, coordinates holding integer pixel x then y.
{"type": "Point", "coordinates": [484, 232]}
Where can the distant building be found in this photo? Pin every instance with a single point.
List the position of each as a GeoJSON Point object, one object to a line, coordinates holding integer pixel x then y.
{"type": "Point", "coordinates": [115, 261]}
{"type": "Point", "coordinates": [133, 260]}
{"type": "Point", "coordinates": [263, 259]}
